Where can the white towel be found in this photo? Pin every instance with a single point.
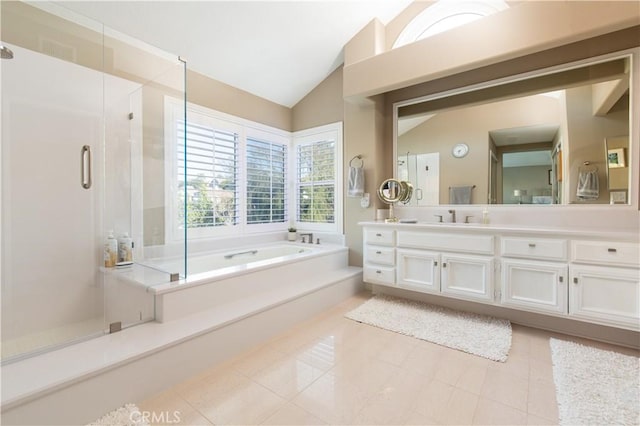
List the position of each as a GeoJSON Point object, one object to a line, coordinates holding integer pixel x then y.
{"type": "Point", "coordinates": [356, 182]}
{"type": "Point", "coordinates": [588, 185]}
{"type": "Point", "coordinates": [460, 194]}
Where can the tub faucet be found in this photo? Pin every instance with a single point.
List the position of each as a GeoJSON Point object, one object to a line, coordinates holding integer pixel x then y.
{"type": "Point", "coordinates": [453, 215]}
{"type": "Point", "coordinates": [308, 234]}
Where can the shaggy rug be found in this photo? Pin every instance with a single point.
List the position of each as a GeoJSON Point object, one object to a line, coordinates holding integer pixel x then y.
{"type": "Point", "coordinates": [595, 386]}
{"type": "Point", "coordinates": [127, 415]}
{"type": "Point", "coordinates": [476, 334]}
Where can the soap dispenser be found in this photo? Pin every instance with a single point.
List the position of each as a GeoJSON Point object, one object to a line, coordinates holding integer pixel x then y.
{"type": "Point", "coordinates": [125, 249]}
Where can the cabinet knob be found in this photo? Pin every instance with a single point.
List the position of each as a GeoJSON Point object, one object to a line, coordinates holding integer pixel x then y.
{"type": "Point", "coordinates": [378, 272]}
{"type": "Point", "coordinates": [561, 279]}
{"type": "Point", "coordinates": [532, 245]}
{"type": "Point", "coordinates": [575, 280]}
{"type": "Point", "coordinates": [378, 235]}
{"type": "Point", "coordinates": [378, 252]}
{"type": "Point", "coordinates": [435, 264]}
{"type": "Point", "coordinates": [444, 264]}
{"type": "Point", "coordinates": [612, 250]}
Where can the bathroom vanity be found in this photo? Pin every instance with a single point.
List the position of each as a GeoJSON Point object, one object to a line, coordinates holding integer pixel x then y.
{"type": "Point", "coordinates": [582, 275]}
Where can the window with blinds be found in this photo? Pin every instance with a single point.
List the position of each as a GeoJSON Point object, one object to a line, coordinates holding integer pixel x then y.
{"type": "Point", "coordinates": [210, 180]}
{"type": "Point", "coordinates": [316, 164]}
{"type": "Point", "coordinates": [266, 181]}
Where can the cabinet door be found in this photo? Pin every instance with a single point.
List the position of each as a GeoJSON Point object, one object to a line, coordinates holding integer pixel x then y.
{"type": "Point", "coordinates": [466, 276]}
{"type": "Point", "coordinates": [418, 270]}
{"type": "Point", "coordinates": [605, 295]}
{"type": "Point", "coordinates": [537, 286]}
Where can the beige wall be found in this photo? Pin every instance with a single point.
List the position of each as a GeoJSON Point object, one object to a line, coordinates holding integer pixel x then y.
{"type": "Point", "coordinates": [323, 105]}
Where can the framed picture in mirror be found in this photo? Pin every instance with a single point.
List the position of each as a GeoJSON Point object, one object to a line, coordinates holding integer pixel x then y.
{"type": "Point", "coordinates": [615, 158]}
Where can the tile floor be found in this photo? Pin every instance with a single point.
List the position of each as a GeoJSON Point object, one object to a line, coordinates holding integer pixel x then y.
{"type": "Point", "coordinates": [331, 370]}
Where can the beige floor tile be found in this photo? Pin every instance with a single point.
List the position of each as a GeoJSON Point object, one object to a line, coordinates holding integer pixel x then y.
{"type": "Point", "coordinates": [211, 387]}
{"type": "Point", "coordinates": [506, 388]}
{"type": "Point", "coordinates": [392, 404]}
{"type": "Point", "coordinates": [333, 401]}
{"type": "Point", "coordinates": [460, 408]}
{"type": "Point", "coordinates": [489, 412]}
{"type": "Point", "coordinates": [540, 371]}
{"type": "Point", "coordinates": [288, 376]}
{"type": "Point", "coordinates": [542, 400]}
{"type": "Point", "coordinates": [472, 379]}
{"type": "Point", "coordinates": [454, 366]}
{"type": "Point", "coordinates": [539, 421]}
{"type": "Point", "coordinates": [419, 419]}
{"type": "Point", "coordinates": [424, 359]}
{"type": "Point", "coordinates": [432, 400]}
{"type": "Point", "coordinates": [169, 408]}
{"type": "Point", "coordinates": [397, 349]}
{"type": "Point", "coordinates": [323, 353]}
{"type": "Point", "coordinates": [247, 405]}
{"type": "Point", "coordinates": [517, 365]}
{"type": "Point", "coordinates": [252, 362]}
{"type": "Point", "coordinates": [290, 414]}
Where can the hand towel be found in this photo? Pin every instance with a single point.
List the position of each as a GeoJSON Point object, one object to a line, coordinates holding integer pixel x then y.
{"type": "Point", "coordinates": [588, 185]}
{"type": "Point", "coordinates": [355, 186]}
{"type": "Point", "coordinates": [460, 194]}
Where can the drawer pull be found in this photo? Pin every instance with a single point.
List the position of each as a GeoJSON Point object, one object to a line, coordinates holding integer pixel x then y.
{"type": "Point", "coordinates": [575, 280]}
{"type": "Point", "coordinates": [444, 264]}
{"type": "Point", "coordinates": [561, 279]}
{"type": "Point", "coordinates": [435, 264]}
{"type": "Point", "coordinates": [532, 245]}
{"type": "Point", "coordinates": [612, 250]}
{"type": "Point", "coordinates": [378, 252]}
{"type": "Point", "coordinates": [378, 235]}
{"type": "Point", "coordinates": [378, 272]}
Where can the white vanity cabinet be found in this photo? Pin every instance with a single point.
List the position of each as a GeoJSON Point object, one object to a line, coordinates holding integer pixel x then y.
{"type": "Point", "coordinates": [456, 265]}
{"type": "Point", "coordinates": [605, 283]}
{"type": "Point", "coordinates": [559, 273]}
{"type": "Point", "coordinates": [379, 256]}
{"type": "Point", "coordinates": [534, 273]}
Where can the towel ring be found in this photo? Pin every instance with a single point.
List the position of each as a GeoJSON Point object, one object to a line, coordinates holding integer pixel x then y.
{"type": "Point", "coordinates": [357, 157]}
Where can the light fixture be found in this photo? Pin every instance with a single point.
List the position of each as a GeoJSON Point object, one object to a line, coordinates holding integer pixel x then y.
{"type": "Point", "coordinates": [519, 193]}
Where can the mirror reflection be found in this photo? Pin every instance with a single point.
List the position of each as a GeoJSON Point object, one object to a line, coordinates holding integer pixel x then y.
{"type": "Point", "coordinates": [557, 138]}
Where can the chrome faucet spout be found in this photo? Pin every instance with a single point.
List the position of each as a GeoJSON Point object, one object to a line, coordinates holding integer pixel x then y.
{"type": "Point", "coordinates": [307, 234]}
{"type": "Point", "coordinates": [453, 215]}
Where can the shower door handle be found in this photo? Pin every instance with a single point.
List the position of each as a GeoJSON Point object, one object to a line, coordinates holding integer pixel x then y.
{"type": "Point", "coordinates": [85, 167]}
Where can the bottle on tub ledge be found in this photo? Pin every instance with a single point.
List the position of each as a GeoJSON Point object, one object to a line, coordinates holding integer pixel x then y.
{"type": "Point", "coordinates": [125, 250]}
{"type": "Point", "coordinates": [110, 251]}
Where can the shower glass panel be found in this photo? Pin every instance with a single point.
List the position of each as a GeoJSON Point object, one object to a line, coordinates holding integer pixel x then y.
{"type": "Point", "coordinates": [52, 155]}
{"type": "Point", "coordinates": [84, 133]}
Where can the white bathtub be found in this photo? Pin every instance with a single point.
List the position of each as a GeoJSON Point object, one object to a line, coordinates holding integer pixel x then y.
{"type": "Point", "coordinates": [248, 279]}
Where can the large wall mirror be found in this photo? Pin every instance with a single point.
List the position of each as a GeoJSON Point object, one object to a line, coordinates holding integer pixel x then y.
{"type": "Point", "coordinates": [559, 136]}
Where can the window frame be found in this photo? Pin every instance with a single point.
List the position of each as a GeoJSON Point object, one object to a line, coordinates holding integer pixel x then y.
{"type": "Point", "coordinates": [174, 110]}
{"type": "Point", "coordinates": [309, 136]}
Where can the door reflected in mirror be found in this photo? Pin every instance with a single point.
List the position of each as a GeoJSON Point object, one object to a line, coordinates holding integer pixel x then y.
{"type": "Point", "coordinates": [528, 137]}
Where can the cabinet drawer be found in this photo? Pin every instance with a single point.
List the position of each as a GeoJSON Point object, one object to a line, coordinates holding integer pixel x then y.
{"type": "Point", "coordinates": [379, 274]}
{"type": "Point", "coordinates": [535, 248]}
{"type": "Point", "coordinates": [379, 236]}
{"type": "Point", "coordinates": [463, 242]}
{"type": "Point", "coordinates": [380, 255]}
{"type": "Point", "coordinates": [606, 253]}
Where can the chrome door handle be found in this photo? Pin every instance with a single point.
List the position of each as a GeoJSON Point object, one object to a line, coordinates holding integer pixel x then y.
{"type": "Point", "coordinates": [85, 165]}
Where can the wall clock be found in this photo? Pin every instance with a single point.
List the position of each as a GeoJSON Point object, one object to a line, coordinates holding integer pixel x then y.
{"type": "Point", "coordinates": [460, 150]}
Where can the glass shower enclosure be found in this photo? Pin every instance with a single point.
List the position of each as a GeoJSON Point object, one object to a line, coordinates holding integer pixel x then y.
{"type": "Point", "coordinates": [83, 138]}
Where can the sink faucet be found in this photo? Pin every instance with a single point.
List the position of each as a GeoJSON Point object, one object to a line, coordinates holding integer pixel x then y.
{"type": "Point", "coordinates": [453, 215]}
{"type": "Point", "coordinates": [308, 234]}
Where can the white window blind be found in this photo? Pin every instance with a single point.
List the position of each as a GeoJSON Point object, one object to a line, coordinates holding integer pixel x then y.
{"type": "Point", "coordinates": [211, 185]}
{"type": "Point", "coordinates": [316, 181]}
{"type": "Point", "coordinates": [266, 181]}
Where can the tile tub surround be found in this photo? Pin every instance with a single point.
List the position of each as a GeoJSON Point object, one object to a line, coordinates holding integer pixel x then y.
{"type": "Point", "coordinates": [330, 370]}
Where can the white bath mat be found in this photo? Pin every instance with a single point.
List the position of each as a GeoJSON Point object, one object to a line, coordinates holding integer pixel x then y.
{"type": "Point", "coordinates": [476, 334]}
{"type": "Point", "coordinates": [594, 386]}
{"type": "Point", "coordinates": [127, 415]}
